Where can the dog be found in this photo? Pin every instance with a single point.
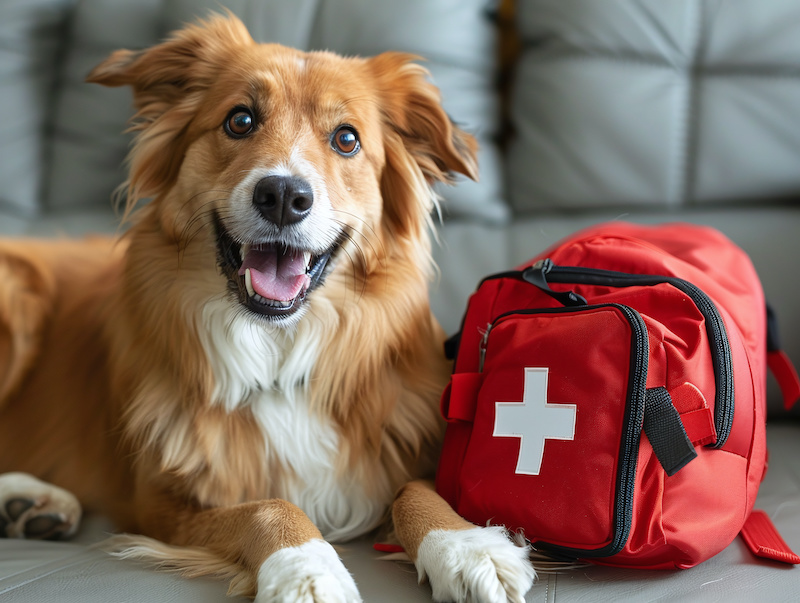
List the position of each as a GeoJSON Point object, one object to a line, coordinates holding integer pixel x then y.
{"type": "Point", "coordinates": [252, 370]}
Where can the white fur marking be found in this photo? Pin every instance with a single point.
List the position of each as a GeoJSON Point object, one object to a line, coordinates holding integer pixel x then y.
{"type": "Point", "coordinates": [306, 445]}
{"type": "Point", "coordinates": [478, 564]}
{"type": "Point", "coordinates": [309, 573]}
{"type": "Point", "coordinates": [45, 499]}
{"type": "Point", "coordinates": [268, 369]}
{"type": "Point", "coordinates": [245, 356]}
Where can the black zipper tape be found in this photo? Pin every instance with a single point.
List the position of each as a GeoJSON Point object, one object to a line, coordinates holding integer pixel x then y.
{"type": "Point", "coordinates": [715, 329]}
{"type": "Point", "coordinates": [548, 272]}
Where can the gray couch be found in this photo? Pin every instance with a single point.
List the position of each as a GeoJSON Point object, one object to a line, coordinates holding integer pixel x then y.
{"type": "Point", "coordinates": [645, 110]}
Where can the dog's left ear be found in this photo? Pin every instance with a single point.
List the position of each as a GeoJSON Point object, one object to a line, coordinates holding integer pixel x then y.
{"type": "Point", "coordinates": [422, 144]}
{"type": "Point", "coordinates": [412, 107]}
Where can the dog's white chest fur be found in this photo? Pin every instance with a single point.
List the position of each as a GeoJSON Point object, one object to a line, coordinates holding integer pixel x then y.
{"type": "Point", "coordinates": [306, 447]}
{"type": "Point", "coordinates": [269, 371]}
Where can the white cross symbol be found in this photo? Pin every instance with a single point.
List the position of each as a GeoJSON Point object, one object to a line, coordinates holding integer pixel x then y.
{"type": "Point", "coordinates": [534, 421]}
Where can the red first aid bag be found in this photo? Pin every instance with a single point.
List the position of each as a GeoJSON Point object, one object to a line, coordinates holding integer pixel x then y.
{"type": "Point", "coordinates": [609, 398]}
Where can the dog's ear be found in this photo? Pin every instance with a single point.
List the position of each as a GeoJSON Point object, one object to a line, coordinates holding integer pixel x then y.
{"type": "Point", "coordinates": [420, 138]}
{"type": "Point", "coordinates": [187, 61]}
{"type": "Point", "coordinates": [411, 105]}
{"type": "Point", "coordinates": [168, 81]}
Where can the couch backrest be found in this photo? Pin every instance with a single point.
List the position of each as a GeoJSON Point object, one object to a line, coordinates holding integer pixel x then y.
{"type": "Point", "coordinates": [655, 104]}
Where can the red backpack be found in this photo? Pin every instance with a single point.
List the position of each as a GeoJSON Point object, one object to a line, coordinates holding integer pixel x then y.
{"type": "Point", "coordinates": [609, 399]}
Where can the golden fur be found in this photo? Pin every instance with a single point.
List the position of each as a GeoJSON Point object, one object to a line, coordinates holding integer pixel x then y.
{"type": "Point", "coordinates": [116, 381]}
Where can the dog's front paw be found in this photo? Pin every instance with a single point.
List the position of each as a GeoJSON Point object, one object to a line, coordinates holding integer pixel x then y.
{"type": "Point", "coordinates": [30, 508]}
{"type": "Point", "coordinates": [478, 564]}
{"type": "Point", "coordinates": [309, 573]}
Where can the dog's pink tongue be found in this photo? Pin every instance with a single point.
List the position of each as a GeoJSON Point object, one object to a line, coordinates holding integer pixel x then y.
{"type": "Point", "coordinates": [277, 274]}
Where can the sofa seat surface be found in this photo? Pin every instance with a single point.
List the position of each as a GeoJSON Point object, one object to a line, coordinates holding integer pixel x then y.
{"type": "Point", "coordinates": [76, 572]}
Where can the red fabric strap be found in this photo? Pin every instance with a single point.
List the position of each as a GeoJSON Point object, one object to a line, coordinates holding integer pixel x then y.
{"type": "Point", "coordinates": [385, 547]}
{"type": "Point", "coordinates": [763, 540]}
{"type": "Point", "coordinates": [699, 426]}
{"type": "Point", "coordinates": [786, 375]}
{"type": "Point", "coordinates": [461, 396]}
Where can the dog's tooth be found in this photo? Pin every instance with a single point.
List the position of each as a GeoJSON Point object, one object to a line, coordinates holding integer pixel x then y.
{"type": "Point", "coordinates": [248, 282]}
{"type": "Point", "coordinates": [243, 250]}
{"type": "Point", "coordinates": [307, 258]}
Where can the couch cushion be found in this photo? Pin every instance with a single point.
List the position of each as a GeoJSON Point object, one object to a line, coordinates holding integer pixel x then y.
{"type": "Point", "coordinates": [655, 103]}
{"type": "Point", "coordinates": [30, 44]}
{"type": "Point", "coordinates": [88, 147]}
{"type": "Point", "coordinates": [73, 573]}
{"type": "Point", "coordinates": [457, 39]}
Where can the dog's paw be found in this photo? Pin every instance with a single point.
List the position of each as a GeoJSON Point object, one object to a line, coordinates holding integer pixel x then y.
{"type": "Point", "coordinates": [478, 564]}
{"type": "Point", "coordinates": [309, 573]}
{"type": "Point", "coordinates": [30, 508]}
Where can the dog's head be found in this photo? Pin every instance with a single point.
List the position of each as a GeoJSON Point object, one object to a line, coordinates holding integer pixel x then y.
{"type": "Point", "coordinates": [284, 160]}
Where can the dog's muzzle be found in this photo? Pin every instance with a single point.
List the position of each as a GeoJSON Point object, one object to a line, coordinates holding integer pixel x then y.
{"type": "Point", "coordinates": [270, 277]}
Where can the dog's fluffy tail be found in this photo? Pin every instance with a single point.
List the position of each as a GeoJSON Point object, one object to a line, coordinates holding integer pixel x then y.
{"type": "Point", "coordinates": [187, 561]}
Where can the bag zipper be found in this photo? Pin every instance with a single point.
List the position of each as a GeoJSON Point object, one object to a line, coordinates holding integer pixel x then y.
{"type": "Point", "coordinates": [631, 429]}
{"type": "Point", "coordinates": [715, 326]}
{"type": "Point", "coordinates": [544, 271]}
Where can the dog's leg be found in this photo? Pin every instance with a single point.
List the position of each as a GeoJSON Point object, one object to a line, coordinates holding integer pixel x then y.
{"type": "Point", "coordinates": [272, 540]}
{"type": "Point", "coordinates": [30, 508]}
{"type": "Point", "coordinates": [463, 562]}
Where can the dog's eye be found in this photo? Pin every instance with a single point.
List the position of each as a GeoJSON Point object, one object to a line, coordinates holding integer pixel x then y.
{"type": "Point", "coordinates": [239, 122]}
{"type": "Point", "coordinates": [345, 141]}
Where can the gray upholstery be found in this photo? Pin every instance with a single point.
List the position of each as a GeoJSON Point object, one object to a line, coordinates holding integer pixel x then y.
{"type": "Point", "coordinates": [638, 109]}
{"type": "Point", "coordinates": [710, 93]}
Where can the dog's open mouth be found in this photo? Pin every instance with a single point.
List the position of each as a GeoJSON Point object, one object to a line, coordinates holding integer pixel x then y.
{"type": "Point", "coordinates": [271, 279]}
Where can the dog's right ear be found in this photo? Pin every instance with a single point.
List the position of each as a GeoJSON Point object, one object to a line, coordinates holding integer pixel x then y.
{"type": "Point", "coordinates": [168, 82]}
{"type": "Point", "coordinates": [186, 61]}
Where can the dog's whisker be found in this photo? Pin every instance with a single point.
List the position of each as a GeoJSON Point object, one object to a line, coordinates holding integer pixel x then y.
{"type": "Point", "coordinates": [353, 273]}
{"type": "Point", "coordinates": [201, 212]}
{"type": "Point", "coordinates": [383, 253]}
{"type": "Point", "coordinates": [205, 203]}
{"type": "Point", "coordinates": [202, 216]}
{"type": "Point", "coordinates": [379, 257]}
{"type": "Point", "coordinates": [363, 268]}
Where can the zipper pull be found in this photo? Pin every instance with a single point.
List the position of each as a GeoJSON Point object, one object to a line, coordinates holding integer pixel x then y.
{"type": "Point", "coordinates": [482, 348]}
{"type": "Point", "coordinates": [537, 275]}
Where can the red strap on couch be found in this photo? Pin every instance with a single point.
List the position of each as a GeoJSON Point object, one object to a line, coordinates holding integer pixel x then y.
{"type": "Point", "coordinates": [786, 375]}
{"type": "Point", "coordinates": [763, 540]}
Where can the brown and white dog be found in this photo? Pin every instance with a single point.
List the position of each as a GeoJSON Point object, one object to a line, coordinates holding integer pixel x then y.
{"type": "Point", "coordinates": [253, 369]}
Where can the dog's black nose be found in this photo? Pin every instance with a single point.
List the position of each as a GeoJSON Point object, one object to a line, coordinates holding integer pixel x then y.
{"type": "Point", "coordinates": [283, 200]}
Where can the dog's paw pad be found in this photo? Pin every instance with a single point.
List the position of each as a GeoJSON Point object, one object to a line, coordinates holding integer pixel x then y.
{"type": "Point", "coordinates": [478, 564]}
{"type": "Point", "coordinates": [309, 573]}
{"type": "Point", "coordinates": [15, 507]}
{"type": "Point", "coordinates": [30, 508]}
{"type": "Point", "coordinates": [49, 526]}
